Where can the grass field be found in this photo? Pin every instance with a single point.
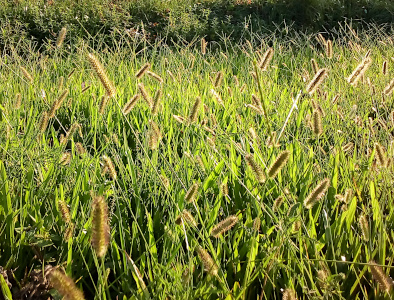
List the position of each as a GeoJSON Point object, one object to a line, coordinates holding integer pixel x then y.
{"type": "Point", "coordinates": [235, 173]}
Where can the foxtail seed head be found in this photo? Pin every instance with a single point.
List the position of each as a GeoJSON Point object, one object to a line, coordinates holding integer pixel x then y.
{"type": "Point", "coordinates": [218, 79]}
{"type": "Point", "coordinates": [266, 59]}
{"type": "Point", "coordinates": [144, 93]}
{"type": "Point", "coordinates": [192, 193]}
{"type": "Point", "coordinates": [316, 81]}
{"type": "Point", "coordinates": [194, 111]}
{"type": "Point", "coordinates": [224, 226]}
{"type": "Point", "coordinates": [209, 264]}
{"type": "Point", "coordinates": [359, 71]}
{"type": "Point", "coordinates": [100, 226]}
{"type": "Point", "coordinates": [110, 167]}
{"type": "Point", "coordinates": [317, 124]}
{"type": "Point", "coordinates": [179, 119]}
{"type": "Point", "coordinates": [279, 163]}
{"type": "Point", "coordinates": [187, 217]}
{"type": "Point", "coordinates": [385, 282]}
{"type": "Point", "coordinates": [43, 122]}
{"type": "Point", "coordinates": [329, 49]}
{"type": "Point", "coordinates": [317, 193]}
{"type": "Point", "coordinates": [154, 136]}
{"type": "Point", "coordinates": [65, 212]}
{"type": "Point", "coordinates": [142, 71]}
{"type": "Point", "coordinates": [64, 285]}
{"type": "Point", "coordinates": [203, 46]}
{"type": "Point", "coordinates": [156, 102]}
{"type": "Point", "coordinates": [18, 101]}
{"type": "Point", "coordinates": [217, 97]}
{"type": "Point", "coordinates": [380, 155]}
{"type": "Point", "coordinates": [389, 88]}
{"type": "Point", "coordinates": [315, 67]}
{"type": "Point", "coordinates": [61, 36]}
{"type": "Point", "coordinates": [256, 169]}
{"type": "Point", "coordinates": [384, 67]}
{"type": "Point", "coordinates": [155, 76]}
{"type": "Point", "coordinates": [289, 294]}
{"type": "Point", "coordinates": [27, 75]}
{"type": "Point", "coordinates": [364, 226]}
{"type": "Point", "coordinates": [277, 203]}
{"type": "Point", "coordinates": [130, 105]}
{"type": "Point", "coordinates": [100, 71]}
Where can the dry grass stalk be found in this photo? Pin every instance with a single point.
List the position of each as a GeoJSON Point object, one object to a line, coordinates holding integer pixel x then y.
{"type": "Point", "coordinates": [224, 226]}
{"type": "Point", "coordinates": [100, 226]}
{"type": "Point", "coordinates": [100, 71]}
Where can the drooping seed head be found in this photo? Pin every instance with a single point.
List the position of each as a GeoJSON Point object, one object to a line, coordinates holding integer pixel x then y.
{"type": "Point", "coordinates": [100, 226]}
{"type": "Point", "coordinates": [64, 285]}
{"type": "Point", "coordinates": [155, 76]}
{"type": "Point", "coordinates": [80, 149]}
{"type": "Point", "coordinates": [224, 226]}
{"type": "Point", "coordinates": [142, 71]}
{"type": "Point", "coordinates": [100, 72]}
{"type": "Point", "coordinates": [156, 101]}
{"type": "Point", "coordinates": [145, 95]}
{"type": "Point", "coordinates": [130, 105]}
{"type": "Point", "coordinates": [179, 119]}
{"type": "Point", "coordinates": [27, 75]}
{"type": "Point", "coordinates": [359, 71]}
{"type": "Point", "coordinates": [316, 81]}
{"type": "Point", "coordinates": [209, 264]}
{"type": "Point", "coordinates": [385, 282]}
{"type": "Point", "coordinates": [317, 193]}
{"type": "Point", "coordinates": [187, 217]}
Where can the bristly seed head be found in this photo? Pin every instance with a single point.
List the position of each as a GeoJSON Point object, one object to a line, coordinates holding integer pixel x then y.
{"type": "Point", "coordinates": [43, 122]}
{"type": "Point", "coordinates": [192, 193]}
{"type": "Point", "coordinates": [316, 81]}
{"type": "Point", "coordinates": [27, 75]}
{"type": "Point", "coordinates": [289, 294]}
{"type": "Point", "coordinates": [224, 226]}
{"type": "Point", "coordinates": [385, 282]}
{"type": "Point", "coordinates": [144, 93]}
{"type": "Point", "coordinates": [317, 124]}
{"type": "Point", "coordinates": [380, 155]}
{"type": "Point", "coordinates": [389, 88]}
{"type": "Point", "coordinates": [100, 226]}
{"type": "Point", "coordinates": [100, 71]}
{"type": "Point", "coordinates": [317, 193]}
{"type": "Point", "coordinates": [279, 163]}
{"type": "Point", "coordinates": [266, 59]}
{"type": "Point", "coordinates": [64, 285]}
{"type": "Point", "coordinates": [364, 226]}
{"type": "Point", "coordinates": [187, 217]}
{"type": "Point", "coordinates": [209, 264]}
{"type": "Point", "coordinates": [156, 102]}
{"type": "Point", "coordinates": [218, 79]}
{"type": "Point", "coordinates": [256, 169]}
{"type": "Point", "coordinates": [130, 105]}
{"type": "Point", "coordinates": [359, 71]}
{"type": "Point", "coordinates": [194, 111]}
{"type": "Point", "coordinates": [110, 167]}
{"type": "Point", "coordinates": [155, 76]}
{"type": "Point", "coordinates": [142, 71]}
{"type": "Point", "coordinates": [61, 36]}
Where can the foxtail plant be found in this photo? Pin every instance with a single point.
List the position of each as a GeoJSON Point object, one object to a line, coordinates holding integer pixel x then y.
{"type": "Point", "coordinates": [256, 169]}
{"type": "Point", "coordinates": [100, 226]}
{"type": "Point", "coordinates": [142, 71]}
{"type": "Point", "coordinates": [100, 71]}
{"type": "Point", "coordinates": [209, 264]}
{"type": "Point", "coordinates": [317, 193]}
{"type": "Point", "coordinates": [359, 71]}
{"type": "Point", "coordinates": [64, 285]}
{"type": "Point", "coordinates": [61, 36]}
{"type": "Point", "coordinates": [385, 282]}
{"type": "Point", "coordinates": [279, 163]}
{"type": "Point", "coordinates": [316, 81]}
{"type": "Point", "coordinates": [224, 226]}
{"type": "Point", "coordinates": [130, 105]}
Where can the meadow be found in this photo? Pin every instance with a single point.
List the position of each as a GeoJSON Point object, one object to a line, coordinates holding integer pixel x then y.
{"type": "Point", "coordinates": [253, 170]}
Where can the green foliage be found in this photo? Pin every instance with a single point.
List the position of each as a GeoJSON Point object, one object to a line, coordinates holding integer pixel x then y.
{"type": "Point", "coordinates": [318, 252]}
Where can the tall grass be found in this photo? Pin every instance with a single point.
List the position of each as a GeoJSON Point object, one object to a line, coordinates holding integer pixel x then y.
{"type": "Point", "coordinates": [202, 198]}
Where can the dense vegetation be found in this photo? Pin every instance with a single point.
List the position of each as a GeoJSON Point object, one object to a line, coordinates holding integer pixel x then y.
{"type": "Point", "coordinates": [125, 192]}
{"type": "Point", "coordinates": [104, 20]}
